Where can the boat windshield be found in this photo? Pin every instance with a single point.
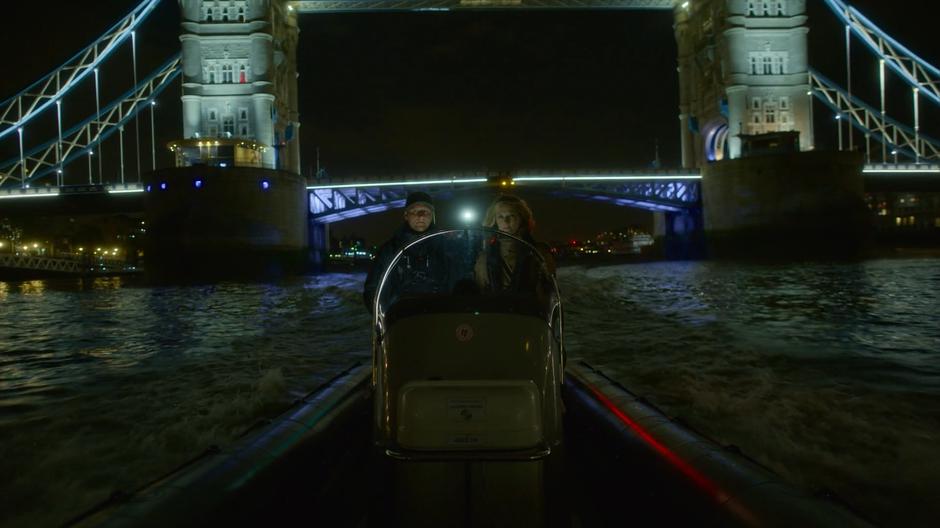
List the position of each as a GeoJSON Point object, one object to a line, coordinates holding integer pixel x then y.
{"type": "Point", "coordinates": [467, 270]}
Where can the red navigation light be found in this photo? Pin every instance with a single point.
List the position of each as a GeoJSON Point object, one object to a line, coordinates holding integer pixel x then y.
{"type": "Point", "coordinates": [693, 474]}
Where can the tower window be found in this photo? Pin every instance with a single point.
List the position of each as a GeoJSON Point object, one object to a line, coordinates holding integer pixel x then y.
{"type": "Point", "coordinates": [228, 125]}
{"type": "Point", "coordinates": [766, 8]}
{"type": "Point", "coordinates": [227, 74]}
{"type": "Point", "coordinates": [770, 115]}
{"type": "Point", "coordinates": [768, 62]}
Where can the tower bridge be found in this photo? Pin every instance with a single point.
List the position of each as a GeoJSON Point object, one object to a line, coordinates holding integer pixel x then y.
{"type": "Point", "coordinates": [744, 76]}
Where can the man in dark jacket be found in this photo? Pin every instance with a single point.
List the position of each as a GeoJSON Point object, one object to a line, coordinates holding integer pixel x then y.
{"type": "Point", "coordinates": [419, 269]}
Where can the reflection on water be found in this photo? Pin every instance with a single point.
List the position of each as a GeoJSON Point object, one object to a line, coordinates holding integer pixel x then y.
{"type": "Point", "coordinates": [35, 287]}
{"type": "Point", "coordinates": [105, 384]}
{"type": "Point", "coordinates": [828, 373]}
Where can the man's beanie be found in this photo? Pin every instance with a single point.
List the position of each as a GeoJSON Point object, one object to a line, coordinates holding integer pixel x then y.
{"type": "Point", "coordinates": [419, 198]}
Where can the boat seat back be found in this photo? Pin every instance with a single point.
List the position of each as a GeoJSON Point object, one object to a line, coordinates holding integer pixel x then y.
{"type": "Point", "coordinates": [471, 380]}
{"type": "Point", "coordinates": [470, 415]}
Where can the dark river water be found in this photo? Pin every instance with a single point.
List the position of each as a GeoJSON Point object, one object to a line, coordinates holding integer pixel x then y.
{"type": "Point", "coordinates": [827, 373]}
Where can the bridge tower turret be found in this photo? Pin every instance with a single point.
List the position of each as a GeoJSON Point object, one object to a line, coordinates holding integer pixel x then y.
{"type": "Point", "coordinates": [742, 71]}
{"type": "Point", "coordinates": [240, 77]}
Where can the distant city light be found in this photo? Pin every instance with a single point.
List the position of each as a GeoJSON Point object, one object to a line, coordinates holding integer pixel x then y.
{"type": "Point", "coordinates": [197, 183]}
{"type": "Point", "coordinates": [162, 186]}
{"type": "Point", "coordinates": [265, 185]}
{"type": "Point", "coordinates": [148, 188]}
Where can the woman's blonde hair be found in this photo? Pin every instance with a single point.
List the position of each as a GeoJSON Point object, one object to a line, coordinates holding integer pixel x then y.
{"type": "Point", "coordinates": [519, 206]}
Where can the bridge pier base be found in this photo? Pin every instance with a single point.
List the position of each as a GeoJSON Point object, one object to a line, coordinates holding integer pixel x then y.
{"type": "Point", "coordinates": [679, 235]}
{"type": "Point", "coordinates": [794, 205]}
{"type": "Point", "coordinates": [213, 222]}
{"type": "Point", "coordinates": [319, 243]}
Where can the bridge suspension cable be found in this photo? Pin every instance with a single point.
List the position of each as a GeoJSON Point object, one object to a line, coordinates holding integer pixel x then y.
{"type": "Point", "coordinates": [872, 122]}
{"type": "Point", "coordinates": [84, 137]}
{"type": "Point", "coordinates": [24, 106]}
{"type": "Point", "coordinates": [915, 71]}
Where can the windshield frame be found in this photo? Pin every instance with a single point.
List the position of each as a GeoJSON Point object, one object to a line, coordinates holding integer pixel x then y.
{"type": "Point", "coordinates": [378, 313]}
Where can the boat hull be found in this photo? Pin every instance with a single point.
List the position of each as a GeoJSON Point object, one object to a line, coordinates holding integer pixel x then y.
{"type": "Point", "coordinates": [622, 462]}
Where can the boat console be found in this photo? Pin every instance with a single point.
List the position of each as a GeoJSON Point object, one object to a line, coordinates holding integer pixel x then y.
{"type": "Point", "coordinates": [468, 370]}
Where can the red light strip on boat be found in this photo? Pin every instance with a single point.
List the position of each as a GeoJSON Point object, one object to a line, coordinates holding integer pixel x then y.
{"type": "Point", "coordinates": [700, 480]}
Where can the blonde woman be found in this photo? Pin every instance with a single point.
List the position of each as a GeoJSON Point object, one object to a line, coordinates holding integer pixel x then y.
{"type": "Point", "coordinates": [505, 265]}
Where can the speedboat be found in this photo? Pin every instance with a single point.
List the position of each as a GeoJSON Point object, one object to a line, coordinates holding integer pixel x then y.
{"type": "Point", "coordinates": [471, 415]}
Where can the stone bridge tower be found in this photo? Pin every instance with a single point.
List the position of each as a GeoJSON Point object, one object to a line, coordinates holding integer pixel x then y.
{"type": "Point", "coordinates": [742, 71]}
{"type": "Point", "coordinates": [240, 76]}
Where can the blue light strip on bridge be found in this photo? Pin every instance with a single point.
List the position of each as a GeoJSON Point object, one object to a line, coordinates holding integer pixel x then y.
{"type": "Point", "coordinates": [29, 195]}
{"type": "Point", "coordinates": [648, 177]}
{"type": "Point", "coordinates": [902, 171]}
{"type": "Point", "coordinates": [391, 184]}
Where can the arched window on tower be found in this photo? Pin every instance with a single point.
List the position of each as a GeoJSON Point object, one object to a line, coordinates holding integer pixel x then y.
{"type": "Point", "coordinates": [228, 125]}
{"type": "Point", "coordinates": [770, 115]}
{"type": "Point", "coordinates": [228, 75]}
{"type": "Point", "coordinates": [242, 73]}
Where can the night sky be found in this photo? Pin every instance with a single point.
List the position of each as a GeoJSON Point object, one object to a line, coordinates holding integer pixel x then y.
{"type": "Point", "coordinates": [426, 92]}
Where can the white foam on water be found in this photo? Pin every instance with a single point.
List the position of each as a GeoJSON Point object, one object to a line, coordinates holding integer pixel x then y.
{"type": "Point", "coordinates": [765, 359]}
